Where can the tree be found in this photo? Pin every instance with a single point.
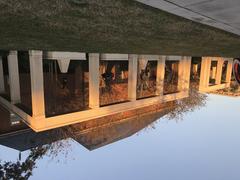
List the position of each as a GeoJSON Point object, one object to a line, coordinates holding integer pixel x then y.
{"type": "Point", "coordinates": [53, 146]}
{"type": "Point", "coordinates": [195, 101]}
{"type": "Point", "coordinates": [22, 170]}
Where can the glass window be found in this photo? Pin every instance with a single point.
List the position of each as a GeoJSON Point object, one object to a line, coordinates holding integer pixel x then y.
{"type": "Point", "coordinates": [147, 77]}
{"type": "Point", "coordinates": [65, 92]}
{"type": "Point", "coordinates": [213, 73]}
{"type": "Point", "coordinates": [6, 94]}
{"type": "Point", "coordinates": [195, 72]}
{"type": "Point", "coordinates": [25, 82]}
{"type": "Point", "coordinates": [171, 77]}
{"type": "Point", "coordinates": [113, 82]}
{"type": "Point", "coordinates": [224, 72]}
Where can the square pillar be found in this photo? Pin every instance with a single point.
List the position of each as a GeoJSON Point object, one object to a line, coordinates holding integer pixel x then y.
{"type": "Point", "coordinates": [132, 77]}
{"type": "Point", "coordinates": [181, 74]}
{"type": "Point", "coordinates": [205, 73]}
{"type": "Point", "coordinates": [187, 72]}
{"type": "Point", "coordinates": [2, 86]}
{"type": "Point", "coordinates": [160, 75]}
{"type": "Point", "coordinates": [184, 73]}
{"type": "Point", "coordinates": [14, 77]}
{"type": "Point", "coordinates": [94, 61]}
{"type": "Point", "coordinates": [37, 83]}
{"type": "Point", "coordinates": [220, 62]}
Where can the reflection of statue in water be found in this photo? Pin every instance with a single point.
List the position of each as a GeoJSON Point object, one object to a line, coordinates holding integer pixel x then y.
{"type": "Point", "coordinates": [63, 83]}
{"type": "Point", "coordinates": [108, 76]}
{"type": "Point", "coordinates": [195, 75]}
{"type": "Point", "coordinates": [171, 72]}
{"type": "Point", "coordinates": [144, 76]}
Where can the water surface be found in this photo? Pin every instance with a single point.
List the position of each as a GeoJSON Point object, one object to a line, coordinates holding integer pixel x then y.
{"type": "Point", "coordinates": [204, 144]}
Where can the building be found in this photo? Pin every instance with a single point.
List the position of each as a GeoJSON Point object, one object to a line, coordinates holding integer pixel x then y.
{"type": "Point", "coordinates": [211, 73]}
{"type": "Point", "coordinates": [53, 89]}
{"type": "Point", "coordinates": [91, 134]}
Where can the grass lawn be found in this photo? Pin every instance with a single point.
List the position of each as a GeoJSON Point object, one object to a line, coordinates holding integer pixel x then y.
{"type": "Point", "coordinates": [113, 26]}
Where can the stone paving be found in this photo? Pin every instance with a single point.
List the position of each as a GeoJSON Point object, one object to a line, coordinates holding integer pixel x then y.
{"type": "Point", "coordinates": [222, 14]}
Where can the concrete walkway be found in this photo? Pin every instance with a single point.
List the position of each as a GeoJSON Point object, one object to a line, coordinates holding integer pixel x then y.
{"type": "Point", "coordinates": [222, 14]}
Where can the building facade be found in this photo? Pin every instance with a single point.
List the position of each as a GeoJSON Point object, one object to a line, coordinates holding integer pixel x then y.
{"type": "Point", "coordinates": [54, 89]}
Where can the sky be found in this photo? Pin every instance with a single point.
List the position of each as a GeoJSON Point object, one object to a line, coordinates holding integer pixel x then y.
{"type": "Point", "coordinates": [203, 145]}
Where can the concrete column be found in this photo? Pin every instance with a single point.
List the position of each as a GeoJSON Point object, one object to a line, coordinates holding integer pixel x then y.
{"type": "Point", "coordinates": [94, 100]}
{"type": "Point", "coordinates": [220, 62]}
{"type": "Point", "coordinates": [2, 87]}
{"type": "Point", "coordinates": [37, 83]}
{"type": "Point", "coordinates": [160, 75]}
{"type": "Point", "coordinates": [229, 71]}
{"type": "Point", "coordinates": [132, 77]}
{"type": "Point", "coordinates": [184, 73]}
{"type": "Point", "coordinates": [205, 73]}
{"type": "Point", "coordinates": [181, 74]}
{"type": "Point", "coordinates": [187, 71]}
{"type": "Point", "coordinates": [213, 73]}
{"type": "Point", "coordinates": [14, 77]}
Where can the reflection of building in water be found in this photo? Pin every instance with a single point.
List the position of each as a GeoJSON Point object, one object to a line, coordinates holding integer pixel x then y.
{"type": "Point", "coordinates": [211, 73]}
{"type": "Point", "coordinates": [171, 77]}
{"type": "Point", "coordinates": [53, 89]}
{"type": "Point", "coordinates": [10, 123]}
{"type": "Point", "coordinates": [232, 91]}
{"type": "Point", "coordinates": [113, 79]}
{"type": "Point", "coordinates": [65, 83]}
{"type": "Point", "coordinates": [147, 76]}
{"type": "Point", "coordinates": [111, 132]}
{"type": "Point", "coordinates": [91, 134]}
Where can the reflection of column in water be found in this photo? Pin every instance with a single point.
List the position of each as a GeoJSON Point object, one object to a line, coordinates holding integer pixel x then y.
{"type": "Point", "coordinates": [213, 73]}
{"type": "Point", "coordinates": [55, 89]}
{"type": "Point", "coordinates": [114, 72]}
{"type": "Point", "coordinates": [174, 72]}
{"type": "Point", "coordinates": [195, 68]}
{"type": "Point", "coordinates": [142, 65]}
{"type": "Point", "coordinates": [122, 75]}
{"type": "Point", "coordinates": [195, 71]}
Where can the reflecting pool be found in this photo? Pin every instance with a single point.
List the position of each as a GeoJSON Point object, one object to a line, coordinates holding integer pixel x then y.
{"type": "Point", "coordinates": [81, 115]}
{"type": "Point", "coordinates": [115, 90]}
{"type": "Point", "coordinates": [203, 144]}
